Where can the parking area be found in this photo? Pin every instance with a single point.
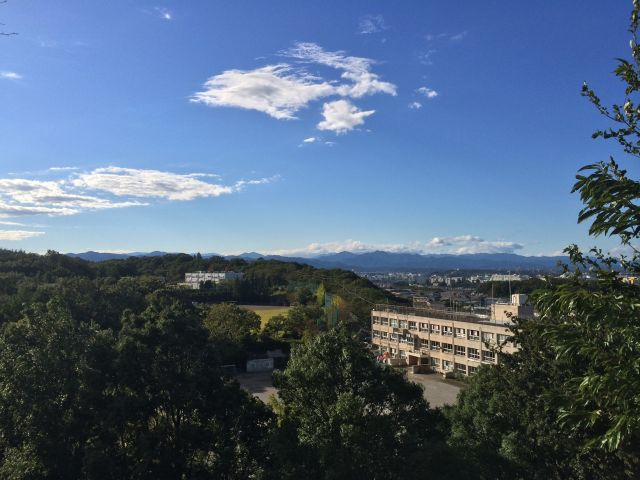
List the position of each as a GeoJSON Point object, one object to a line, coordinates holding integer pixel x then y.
{"type": "Point", "coordinates": [437, 391]}
{"type": "Point", "coordinates": [258, 384]}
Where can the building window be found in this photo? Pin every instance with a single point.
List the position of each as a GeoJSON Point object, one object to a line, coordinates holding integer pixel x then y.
{"type": "Point", "coordinates": [394, 323]}
{"type": "Point", "coordinates": [435, 329]}
{"type": "Point", "coordinates": [424, 327]}
{"type": "Point", "coordinates": [384, 321]}
{"type": "Point", "coordinates": [487, 337]}
{"type": "Point", "coordinates": [474, 353]}
{"type": "Point", "coordinates": [404, 324]}
{"type": "Point", "coordinates": [502, 339]}
{"type": "Point", "coordinates": [403, 354]}
{"type": "Point", "coordinates": [394, 337]}
{"type": "Point", "coordinates": [488, 356]}
{"type": "Point", "coordinates": [460, 333]}
{"type": "Point", "coordinates": [435, 345]}
{"type": "Point", "coordinates": [394, 351]}
{"type": "Point", "coordinates": [448, 331]}
{"type": "Point", "coordinates": [413, 326]}
{"type": "Point", "coordinates": [447, 366]}
{"type": "Point", "coordinates": [424, 343]}
{"type": "Point", "coordinates": [375, 319]}
{"type": "Point", "coordinates": [447, 347]}
{"type": "Point", "coordinates": [473, 370]}
{"type": "Point", "coordinates": [461, 368]}
{"type": "Point", "coordinates": [460, 350]}
{"type": "Point", "coordinates": [376, 333]}
{"type": "Point", "coordinates": [435, 362]}
{"type": "Point", "coordinates": [385, 335]}
{"type": "Point", "coordinates": [473, 334]}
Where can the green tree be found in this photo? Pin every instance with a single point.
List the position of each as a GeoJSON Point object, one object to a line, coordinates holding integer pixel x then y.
{"type": "Point", "coordinates": [179, 417]}
{"type": "Point", "coordinates": [344, 416]}
{"type": "Point", "coordinates": [229, 322]}
{"type": "Point", "coordinates": [55, 377]}
{"type": "Point", "coordinates": [567, 405]}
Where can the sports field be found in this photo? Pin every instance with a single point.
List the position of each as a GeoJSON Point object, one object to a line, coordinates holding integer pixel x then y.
{"type": "Point", "coordinates": [266, 311]}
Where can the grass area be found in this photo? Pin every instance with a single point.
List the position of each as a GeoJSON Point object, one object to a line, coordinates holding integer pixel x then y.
{"type": "Point", "coordinates": [266, 311]}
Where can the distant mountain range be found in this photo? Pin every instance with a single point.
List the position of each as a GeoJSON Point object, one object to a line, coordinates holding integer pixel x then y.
{"type": "Point", "coordinates": [380, 261]}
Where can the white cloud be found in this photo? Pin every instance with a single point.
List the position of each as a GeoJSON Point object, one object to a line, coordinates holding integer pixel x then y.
{"type": "Point", "coordinates": [355, 69]}
{"type": "Point", "coordinates": [281, 90]}
{"type": "Point", "coordinates": [276, 90]}
{"type": "Point", "coordinates": [62, 169]}
{"type": "Point", "coordinates": [342, 116]}
{"type": "Point", "coordinates": [34, 195]}
{"type": "Point", "coordinates": [371, 24]}
{"type": "Point", "coordinates": [310, 140]}
{"type": "Point", "coordinates": [463, 244]}
{"type": "Point", "coordinates": [10, 75]}
{"type": "Point", "coordinates": [24, 197]}
{"type": "Point", "coordinates": [132, 182]}
{"type": "Point", "coordinates": [415, 105]}
{"type": "Point", "coordinates": [427, 92]}
{"type": "Point", "coordinates": [14, 235]}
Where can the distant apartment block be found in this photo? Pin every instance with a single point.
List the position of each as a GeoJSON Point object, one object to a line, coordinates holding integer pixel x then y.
{"type": "Point", "coordinates": [195, 279]}
{"type": "Point", "coordinates": [443, 340]}
{"type": "Point", "coordinates": [512, 277]}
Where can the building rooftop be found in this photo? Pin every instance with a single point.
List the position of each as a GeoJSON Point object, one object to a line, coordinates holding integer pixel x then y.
{"type": "Point", "coordinates": [440, 314]}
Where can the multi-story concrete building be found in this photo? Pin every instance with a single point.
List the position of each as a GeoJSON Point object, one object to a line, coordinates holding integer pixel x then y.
{"type": "Point", "coordinates": [443, 340]}
{"type": "Point", "coordinates": [195, 279]}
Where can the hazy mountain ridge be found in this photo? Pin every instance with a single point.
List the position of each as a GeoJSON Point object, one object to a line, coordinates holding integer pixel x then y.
{"type": "Point", "coordinates": [380, 261]}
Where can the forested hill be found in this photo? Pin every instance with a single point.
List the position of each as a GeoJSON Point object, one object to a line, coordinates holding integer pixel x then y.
{"type": "Point", "coordinates": [26, 278]}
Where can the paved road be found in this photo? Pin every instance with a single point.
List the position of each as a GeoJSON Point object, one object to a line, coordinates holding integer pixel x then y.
{"type": "Point", "coordinates": [258, 384]}
{"type": "Point", "coordinates": [437, 391]}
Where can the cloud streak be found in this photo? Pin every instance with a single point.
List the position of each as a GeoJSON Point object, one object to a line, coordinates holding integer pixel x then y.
{"type": "Point", "coordinates": [107, 188]}
{"type": "Point", "coordinates": [10, 75]}
{"type": "Point", "coordinates": [463, 244]}
{"type": "Point", "coordinates": [15, 235]}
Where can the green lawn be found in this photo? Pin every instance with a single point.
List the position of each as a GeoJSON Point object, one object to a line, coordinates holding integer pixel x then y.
{"type": "Point", "coordinates": [266, 311]}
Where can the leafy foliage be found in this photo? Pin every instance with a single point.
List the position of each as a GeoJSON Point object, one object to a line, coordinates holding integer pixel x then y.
{"type": "Point", "coordinates": [344, 416]}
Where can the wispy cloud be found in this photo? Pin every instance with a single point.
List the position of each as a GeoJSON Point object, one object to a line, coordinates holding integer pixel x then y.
{"type": "Point", "coordinates": [283, 89]}
{"type": "Point", "coordinates": [62, 169]}
{"type": "Point", "coordinates": [456, 37]}
{"type": "Point", "coordinates": [427, 92]}
{"type": "Point", "coordinates": [107, 188]}
{"type": "Point", "coordinates": [15, 235]}
{"type": "Point", "coordinates": [310, 140]}
{"type": "Point", "coordinates": [415, 105]}
{"type": "Point", "coordinates": [463, 244]}
{"type": "Point", "coordinates": [164, 13]}
{"type": "Point", "coordinates": [342, 116]}
{"type": "Point", "coordinates": [10, 75]}
{"type": "Point", "coordinates": [426, 58]}
{"type": "Point", "coordinates": [371, 24]}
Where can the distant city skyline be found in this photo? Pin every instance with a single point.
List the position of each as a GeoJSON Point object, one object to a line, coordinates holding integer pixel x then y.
{"type": "Point", "coordinates": [424, 127]}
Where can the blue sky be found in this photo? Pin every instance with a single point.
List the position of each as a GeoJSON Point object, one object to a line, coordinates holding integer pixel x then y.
{"type": "Point", "coordinates": [301, 127]}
